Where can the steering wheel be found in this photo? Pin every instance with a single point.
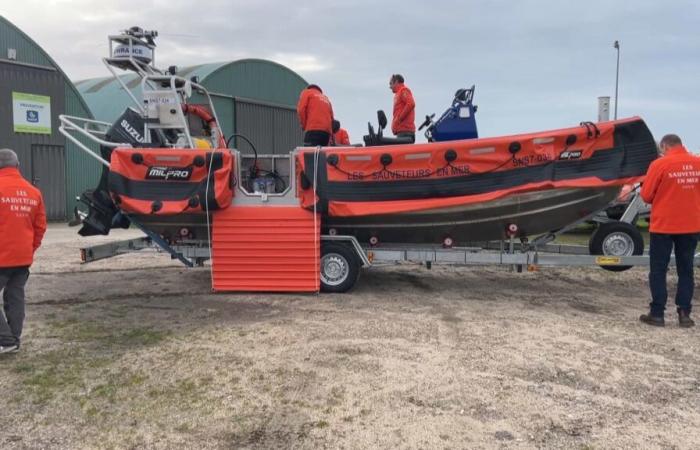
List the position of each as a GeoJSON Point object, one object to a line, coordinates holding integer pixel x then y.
{"type": "Point", "coordinates": [370, 130]}
{"type": "Point", "coordinates": [428, 120]}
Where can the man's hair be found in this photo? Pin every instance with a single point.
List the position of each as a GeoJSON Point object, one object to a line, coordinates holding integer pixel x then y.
{"type": "Point", "coordinates": [8, 158]}
{"type": "Point", "coordinates": [314, 86]}
{"type": "Point", "coordinates": [397, 78]}
{"type": "Point", "coordinates": [670, 140]}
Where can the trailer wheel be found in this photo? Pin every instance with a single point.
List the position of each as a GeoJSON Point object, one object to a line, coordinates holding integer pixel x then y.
{"type": "Point", "coordinates": [616, 239]}
{"type": "Point", "coordinates": [340, 267]}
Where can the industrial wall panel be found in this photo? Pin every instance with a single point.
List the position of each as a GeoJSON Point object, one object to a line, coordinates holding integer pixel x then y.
{"type": "Point", "coordinates": [224, 112]}
{"type": "Point", "coordinates": [29, 80]}
{"type": "Point", "coordinates": [288, 132]}
{"type": "Point", "coordinates": [273, 129]}
{"type": "Point", "coordinates": [256, 123]}
{"type": "Point", "coordinates": [82, 171]}
{"type": "Point", "coordinates": [49, 175]}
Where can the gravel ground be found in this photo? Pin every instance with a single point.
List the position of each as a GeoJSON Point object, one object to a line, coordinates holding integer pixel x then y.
{"type": "Point", "coordinates": [136, 352]}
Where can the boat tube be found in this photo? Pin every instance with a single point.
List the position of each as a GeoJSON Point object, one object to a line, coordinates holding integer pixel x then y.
{"type": "Point", "coordinates": [472, 190]}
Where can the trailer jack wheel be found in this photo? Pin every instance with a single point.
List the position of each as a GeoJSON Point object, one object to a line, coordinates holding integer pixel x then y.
{"type": "Point", "coordinates": [616, 239]}
{"type": "Point", "coordinates": [340, 267]}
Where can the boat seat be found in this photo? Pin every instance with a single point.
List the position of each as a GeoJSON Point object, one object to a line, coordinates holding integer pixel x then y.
{"type": "Point", "coordinates": [374, 140]}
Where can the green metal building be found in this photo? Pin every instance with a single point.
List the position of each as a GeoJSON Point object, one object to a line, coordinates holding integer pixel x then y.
{"type": "Point", "coordinates": [33, 92]}
{"type": "Point", "coordinates": [252, 97]}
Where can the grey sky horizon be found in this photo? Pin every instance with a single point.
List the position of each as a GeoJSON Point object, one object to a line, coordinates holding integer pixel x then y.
{"type": "Point", "coordinates": [537, 65]}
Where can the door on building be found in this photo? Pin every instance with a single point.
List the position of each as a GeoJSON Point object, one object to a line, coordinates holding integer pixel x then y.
{"type": "Point", "coordinates": [48, 173]}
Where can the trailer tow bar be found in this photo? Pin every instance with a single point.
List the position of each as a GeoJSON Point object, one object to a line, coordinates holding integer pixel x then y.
{"type": "Point", "coordinates": [160, 242]}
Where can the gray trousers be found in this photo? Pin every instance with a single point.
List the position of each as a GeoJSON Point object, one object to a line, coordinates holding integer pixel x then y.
{"type": "Point", "coordinates": [12, 281]}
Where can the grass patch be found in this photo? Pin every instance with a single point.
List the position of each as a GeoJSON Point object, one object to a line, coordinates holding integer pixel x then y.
{"type": "Point", "coordinates": [67, 371]}
{"type": "Point", "coordinates": [185, 391]}
{"type": "Point", "coordinates": [82, 331]}
{"type": "Point", "coordinates": [143, 336]}
{"type": "Point", "coordinates": [47, 374]}
{"type": "Point", "coordinates": [184, 428]}
{"type": "Point", "coordinates": [116, 383]}
{"type": "Point", "coordinates": [46, 383]}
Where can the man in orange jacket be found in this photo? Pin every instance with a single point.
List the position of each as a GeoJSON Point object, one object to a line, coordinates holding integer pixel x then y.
{"type": "Point", "coordinates": [403, 123]}
{"type": "Point", "coordinates": [22, 227]}
{"type": "Point", "coordinates": [340, 135]}
{"type": "Point", "coordinates": [315, 115]}
{"type": "Point", "coordinates": [672, 187]}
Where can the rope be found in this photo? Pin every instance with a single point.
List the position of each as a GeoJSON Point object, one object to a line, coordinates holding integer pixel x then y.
{"type": "Point", "coordinates": [316, 240]}
{"type": "Point", "coordinates": [206, 211]}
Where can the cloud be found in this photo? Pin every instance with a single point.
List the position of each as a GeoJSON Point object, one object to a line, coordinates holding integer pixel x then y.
{"type": "Point", "coordinates": [537, 64]}
{"type": "Point", "coordinates": [302, 63]}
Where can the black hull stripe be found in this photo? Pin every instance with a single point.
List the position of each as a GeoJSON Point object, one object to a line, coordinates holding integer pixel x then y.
{"type": "Point", "coordinates": [168, 190]}
{"type": "Point", "coordinates": [152, 190]}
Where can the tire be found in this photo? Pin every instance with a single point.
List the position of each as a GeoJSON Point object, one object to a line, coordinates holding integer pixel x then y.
{"type": "Point", "coordinates": [340, 267]}
{"type": "Point", "coordinates": [616, 239]}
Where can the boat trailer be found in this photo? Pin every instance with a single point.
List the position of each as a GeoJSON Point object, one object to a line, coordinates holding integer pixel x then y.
{"type": "Point", "coordinates": [343, 257]}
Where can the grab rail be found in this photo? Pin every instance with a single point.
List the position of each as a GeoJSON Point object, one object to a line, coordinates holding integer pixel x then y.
{"type": "Point", "coordinates": [71, 124]}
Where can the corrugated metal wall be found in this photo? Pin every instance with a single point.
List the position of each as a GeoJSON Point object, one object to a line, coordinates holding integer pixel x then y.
{"type": "Point", "coordinates": [273, 129]}
{"type": "Point", "coordinates": [30, 80]}
{"type": "Point", "coordinates": [49, 175]}
{"type": "Point", "coordinates": [83, 172]}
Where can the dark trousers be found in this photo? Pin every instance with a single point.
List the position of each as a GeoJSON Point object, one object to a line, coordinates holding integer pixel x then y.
{"type": "Point", "coordinates": [659, 255]}
{"type": "Point", "coordinates": [315, 138]}
{"type": "Point", "coordinates": [12, 281]}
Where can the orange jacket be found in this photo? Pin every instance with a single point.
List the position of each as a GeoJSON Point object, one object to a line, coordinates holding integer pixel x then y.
{"type": "Point", "coordinates": [404, 120]}
{"type": "Point", "coordinates": [22, 219]}
{"type": "Point", "coordinates": [315, 111]}
{"type": "Point", "coordinates": [672, 187]}
{"type": "Point", "coordinates": [341, 137]}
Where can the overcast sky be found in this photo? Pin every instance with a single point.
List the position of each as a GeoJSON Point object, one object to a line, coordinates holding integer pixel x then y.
{"type": "Point", "coordinates": [537, 65]}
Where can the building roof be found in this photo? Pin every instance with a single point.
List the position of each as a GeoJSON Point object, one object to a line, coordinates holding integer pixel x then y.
{"type": "Point", "coordinates": [36, 55]}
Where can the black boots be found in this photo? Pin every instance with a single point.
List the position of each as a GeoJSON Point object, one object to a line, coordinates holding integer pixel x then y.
{"type": "Point", "coordinates": [684, 320]}
{"type": "Point", "coordinates": [657, 321]}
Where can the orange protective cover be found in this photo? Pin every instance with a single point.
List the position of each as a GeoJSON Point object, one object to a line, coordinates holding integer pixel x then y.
{"type": "Point", "coordinates": [266, 248]}
{"type": "Point", "coordinates": [170, 181]}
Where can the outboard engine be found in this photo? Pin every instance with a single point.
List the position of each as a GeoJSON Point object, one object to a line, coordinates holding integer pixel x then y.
{"type": "Point", "coordinates": [102, 213]}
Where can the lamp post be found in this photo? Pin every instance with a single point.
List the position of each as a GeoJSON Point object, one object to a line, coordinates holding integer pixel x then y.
{"type": "Point", "coordinates": [616, 45]}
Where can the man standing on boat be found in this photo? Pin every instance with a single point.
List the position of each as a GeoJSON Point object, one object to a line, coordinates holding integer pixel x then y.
{"type": "Point", "coordinates": [22, 227]}
{"type": "Point", "coordinates": [672, 187]}
{"type": "Point", "coordinates": [403, 123]}
{"type": "Point", "coordinates": [316, 116]}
